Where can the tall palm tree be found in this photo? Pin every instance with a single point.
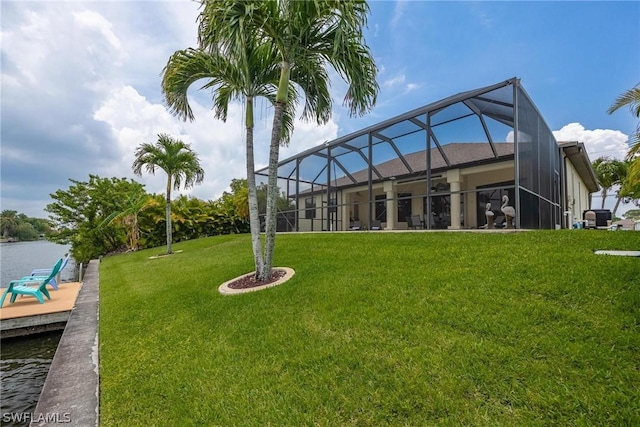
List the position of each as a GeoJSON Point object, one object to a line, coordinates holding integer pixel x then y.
{"type": "Point", "coordinates": [253, 75]}
{"type": "Point", "coordinates": [308, 36]}
{"type": "Point", "coordinates": [630, 98]}
{"type": "Point", "coordinates": [178, 160]}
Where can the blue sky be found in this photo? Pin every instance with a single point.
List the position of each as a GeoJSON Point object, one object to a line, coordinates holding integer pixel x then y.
{"type": "Point", "coordinates": [80, 82]}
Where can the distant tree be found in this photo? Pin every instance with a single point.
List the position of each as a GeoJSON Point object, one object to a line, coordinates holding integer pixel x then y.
{"type": "Point", "coordinates": [25, 231]}
{"type": "Point", "coordinates": [610, 172]}
{"type": "Point", "coordinates": [632, 214]}
{"type": "Point", "coordinates": [180, 163]}
{"type": "Point", "coordinates": [8, 222]}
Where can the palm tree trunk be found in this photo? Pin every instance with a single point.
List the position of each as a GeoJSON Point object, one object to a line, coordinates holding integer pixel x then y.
{"type": "Point", "coordinates": [168, 214]}
{"type": "Point", "coordinates": [272, 193]}
{"type": "Point", "coordinates": [254, 218]}
{"type": "Point", "coordinates": [272, 182]}
{"type": "Point", "coordinates": [615, 208]}
{"type": "Point", "coordinates": [604, 196]}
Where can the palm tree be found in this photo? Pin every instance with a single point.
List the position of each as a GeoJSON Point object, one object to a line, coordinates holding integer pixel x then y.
{"type": "Point", "coordinates": [610, 172]}
{"type": "Point", "coordinates": [256, 75]}
{"type": "Point", "coordinates": [308, 36]}
{"type": "Point", "coordinates": [630, 98]}
{"type": "Point", "coordinates": [178, 160]}
{"type": "Point", "coordinates": [631, 185]}
{"type": "Point", "coordinates": [8, 222]}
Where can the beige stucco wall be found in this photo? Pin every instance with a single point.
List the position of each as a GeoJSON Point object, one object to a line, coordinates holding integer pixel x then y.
{"type": "Point", "coordinates": [577, 193]}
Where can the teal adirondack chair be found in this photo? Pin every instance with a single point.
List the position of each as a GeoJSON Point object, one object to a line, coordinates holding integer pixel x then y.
{"type": "Point", "coordinates": [21, 286]}
{"type": "Point", "coordinates": [41, 273]}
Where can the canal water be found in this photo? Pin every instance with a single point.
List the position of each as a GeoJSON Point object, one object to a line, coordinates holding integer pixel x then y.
{"type": "Point", "coordinates": [25, 361]}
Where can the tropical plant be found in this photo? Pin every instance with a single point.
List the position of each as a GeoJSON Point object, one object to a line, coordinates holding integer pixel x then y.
{"type": "Point", "coordinates": [78, 214]}
{"type": "Point", "coordinates": [180, 163]}
{"type": "Point", "coordinates": [631, 185]}
{"type": "Point", "coordinates": [610, 172]}
{"type": "Point", "coordinates": [308, 36]}
{"type": "Point", "coordinates": [128, 217]}
{"type": "Point", "coordinates": [630, 98]}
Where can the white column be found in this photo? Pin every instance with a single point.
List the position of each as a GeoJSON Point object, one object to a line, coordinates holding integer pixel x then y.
{"type": "Point", "coordinates": [392, 204]}
{"type": "Point", "coordinates": [453, 178]}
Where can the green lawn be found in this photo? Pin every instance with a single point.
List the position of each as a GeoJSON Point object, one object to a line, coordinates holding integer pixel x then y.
{"type": "Point", "coordinates": [376, 329]}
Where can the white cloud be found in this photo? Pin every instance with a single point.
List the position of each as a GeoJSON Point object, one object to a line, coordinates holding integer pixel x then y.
{"type": "Point", "coordinates": [134, 120]}
{"type": "Point", "coordinates": [94, 21]}
{"type": "Point", "coordinates": [307, 135]}
{"type": "Point", "coordinates": [598, 142]}
{"type": "Point", "coordinates": [392, 82]}
{"type": "Point", "coordinates": [398, 12]}
{"type": "Point", "coordinates": [410, 87]}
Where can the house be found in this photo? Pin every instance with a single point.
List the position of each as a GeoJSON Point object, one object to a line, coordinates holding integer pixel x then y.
{"type": "Point", "coordinates": [444, 163]}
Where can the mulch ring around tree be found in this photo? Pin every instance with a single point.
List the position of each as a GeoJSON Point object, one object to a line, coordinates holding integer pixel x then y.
{"type": "Point", "coordinates": [165, 254]}
{"type": "Point", "coordinates": [248, 282]}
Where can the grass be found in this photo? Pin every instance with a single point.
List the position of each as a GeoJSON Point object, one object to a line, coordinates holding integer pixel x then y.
{"type": "Point", "coordinates": [375, 329]}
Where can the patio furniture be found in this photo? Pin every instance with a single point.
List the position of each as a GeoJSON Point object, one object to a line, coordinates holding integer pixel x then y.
{"type": "Point", "coordinates": [42, 273]}
{"type": "Point", "coordinates": [414, 221]}
{"type": "Point", "coordinates": [376, 225]}
{"type": "Point", "coordinates": [21, 286]}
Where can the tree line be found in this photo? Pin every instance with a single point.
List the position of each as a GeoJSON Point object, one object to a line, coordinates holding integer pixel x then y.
{"type": "Point", "coordinates": [19, 227]}
{"type": "Point", "coordinates": [103, 216]}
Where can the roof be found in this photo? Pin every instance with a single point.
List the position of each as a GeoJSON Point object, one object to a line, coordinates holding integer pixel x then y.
{"type": "Point", "coordinates": [577, 154]}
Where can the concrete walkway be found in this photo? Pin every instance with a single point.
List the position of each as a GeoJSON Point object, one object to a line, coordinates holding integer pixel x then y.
{"type": "Point", "coordinates": [70, 396]}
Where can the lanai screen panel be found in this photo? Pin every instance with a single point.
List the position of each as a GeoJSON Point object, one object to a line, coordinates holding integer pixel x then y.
{"type": "Point", "coordinates": [538, 161]}
{"type": "Point", "coordinates": [469, 128]}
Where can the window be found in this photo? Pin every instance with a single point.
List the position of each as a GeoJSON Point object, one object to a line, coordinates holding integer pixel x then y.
{"type": "Point", "coordinates": [381, 208]}
{"type": "Point", "coordinates": [404, 206]}
{"type": "Point", "coordinates": [310, 208]}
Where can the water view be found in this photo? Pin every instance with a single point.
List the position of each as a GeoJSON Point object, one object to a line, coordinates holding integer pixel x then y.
{"type": "Point", "coordinates": [25, 361]}
{"type": "Point", "coordinates": [17, 259]}
{"type": "Point", "coordinates": [24, 365]}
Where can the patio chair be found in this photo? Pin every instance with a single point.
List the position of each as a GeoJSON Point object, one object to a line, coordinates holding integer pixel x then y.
{"type": "Point", "coordinates": [429, 219]}
{"type": "Point", "coordinates": [414, 222]}
{"type": "Point", "coordinates": [21, 286]}
{"type": "Point", "coordinates": [354, 225]}
{"type": "Point", "coordinates": [42, 273]}
{"type": "Point", "coordinates": [375, 225]}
